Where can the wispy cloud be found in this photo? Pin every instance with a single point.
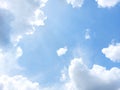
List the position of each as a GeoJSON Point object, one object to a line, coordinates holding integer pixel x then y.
{"type": "Point", "coordinates": [75, 3]}
{"type": "Point", "coordinates": [87, 34]}
{"type": "Point", "coordinates": [101, 3]}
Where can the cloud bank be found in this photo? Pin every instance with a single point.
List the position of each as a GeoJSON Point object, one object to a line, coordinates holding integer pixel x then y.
{"type": "Point", "coordinates": [17, 19]}
{"type": "Point", "coordinates": [80, 77]}
{"type": "Point", "coordinates": [96, 78]}
{"type": "Point", "coordinates": [20, 17]}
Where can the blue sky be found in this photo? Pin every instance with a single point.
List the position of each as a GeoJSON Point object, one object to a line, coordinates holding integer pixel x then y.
{"type": "Point", "coordinates": [60, 44]}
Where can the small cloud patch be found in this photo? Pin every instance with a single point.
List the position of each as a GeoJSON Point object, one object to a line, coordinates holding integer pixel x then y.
{"type": "Point", "coordinates": [62, 51]}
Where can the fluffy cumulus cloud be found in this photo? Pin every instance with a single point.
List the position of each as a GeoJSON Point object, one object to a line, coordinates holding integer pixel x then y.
{"type": "Point", "coordinates": [17, 82]}
{"type": "Point", "coordinates": [75, 3]}
{"type": "Point", "coordinates": [62, 51]}
{"type": "Point", "coordinates": [96, 78]}
{"type": "Point", "coordinates": [112, 52]}
{"type": "Point", "coordinates": [21, 17]}
{"type": "Point", "coordinates": [20, 82]}
{"type": "Point", "coordinates": [107, 3]}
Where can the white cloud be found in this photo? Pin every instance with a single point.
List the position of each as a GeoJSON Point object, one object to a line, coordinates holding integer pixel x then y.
{"type": "Point", "coordinates": [64, 75]}
{"type": "Point", "coordinates": [9, 60]}
{"type": "Point", "coordinates": [62, 51]}
{"type": "Point", "coordinates": [80, 77]}
{"type": "Point", "coordinates": [5, 28]}
{"type": "Point", "coordinates": [3, 5]}
{"type": "Point", "coordinates": [87, 34]}
{"type": "Point", "coordinates": [107, 3]}
{"type": "Point", "coordinates": [17, 18]}
{"type": "Point", "coordinates": [17, 82]}
{"type": "Point", "coordinates": [43, 3]}
{"type": "Point", "coordinates": [26, 16]}
{"type": "Point", "coordinates": [96, 78]}
{"type": "Point", "coordinates": [75, 3]}
{"type": "Point", "coordinates": [112, 52]}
